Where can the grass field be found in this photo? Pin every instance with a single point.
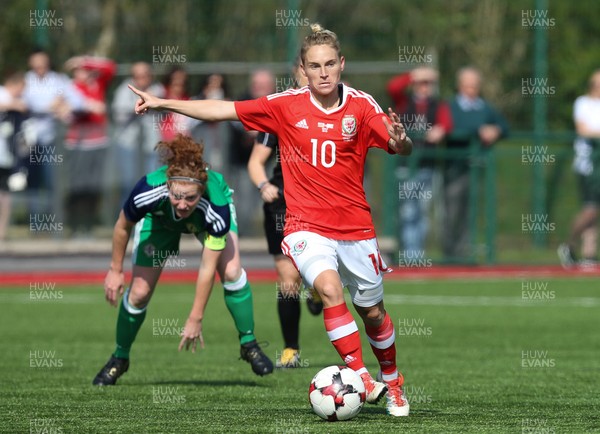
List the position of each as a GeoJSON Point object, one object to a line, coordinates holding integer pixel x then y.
{"type": "Point", "coordinates": [479, 356]}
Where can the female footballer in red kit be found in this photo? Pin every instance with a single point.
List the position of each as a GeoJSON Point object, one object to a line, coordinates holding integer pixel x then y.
{"type": "Point", "coordinates": [325, 131]}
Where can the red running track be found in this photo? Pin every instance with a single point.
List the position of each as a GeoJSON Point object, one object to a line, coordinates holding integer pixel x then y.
{"type": "Point", "coordinates": [268, 275]}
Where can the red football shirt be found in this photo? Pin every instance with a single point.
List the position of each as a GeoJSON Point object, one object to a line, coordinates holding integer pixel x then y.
{"type": "Point", "coordinates": [322, 156]}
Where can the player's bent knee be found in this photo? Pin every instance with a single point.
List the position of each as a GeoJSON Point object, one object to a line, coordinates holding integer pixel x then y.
{"type": "Point", "coordinates": [369, 305]}
{"type": "Point", "coordinates": [331, 294]}
{"type": "Point", "coordinates": [373, 315]}
{"type": "Point", "coordinates": [237, 282]}
{"type": "Point", "coordinates": [233, 271]}
{"type": "Point", "coordinates": [136, 299]}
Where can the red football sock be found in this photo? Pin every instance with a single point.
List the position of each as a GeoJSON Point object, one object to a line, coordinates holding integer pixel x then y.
{"type": "Point", "coordinates": [343, 334]}
{"type": "Point", "coordinates": [382, 340]}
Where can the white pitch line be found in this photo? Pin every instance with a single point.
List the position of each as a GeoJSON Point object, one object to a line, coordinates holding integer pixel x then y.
{"type": "Point", "coordinates": [58, 297]}
{"type": "Point", "coordinates": [450, 300]}
{"type": "Point", "coordinates": [67, 297]}
{"type": "Point", "coordinates": [423, 300]}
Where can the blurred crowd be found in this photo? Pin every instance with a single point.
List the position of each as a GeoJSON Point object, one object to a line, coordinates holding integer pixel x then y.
{"type": "Point", "coordinates": [52, 121]}
{"type": "Point", "coordinates": [61, 126]}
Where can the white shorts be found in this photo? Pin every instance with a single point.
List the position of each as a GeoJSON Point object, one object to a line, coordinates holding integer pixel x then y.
{"type": "Point", "coordinates": [358, 263]}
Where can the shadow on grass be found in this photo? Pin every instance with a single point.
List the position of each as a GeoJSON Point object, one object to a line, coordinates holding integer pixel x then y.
{"type": "Point", "coordinates": [215, 383]}
{"type": "Point", "coordinates": [377, 411]}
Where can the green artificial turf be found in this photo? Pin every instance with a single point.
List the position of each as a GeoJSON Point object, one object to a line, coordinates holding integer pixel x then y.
{"type": "Point", "coordinates": [478, 356]}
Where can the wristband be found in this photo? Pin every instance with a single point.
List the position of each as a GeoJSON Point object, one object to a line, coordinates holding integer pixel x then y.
{"type": "Point", "coordinates": [261, 185]}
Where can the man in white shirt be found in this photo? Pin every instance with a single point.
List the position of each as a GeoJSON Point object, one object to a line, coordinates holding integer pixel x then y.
{"type": "Point", "coordinates": [50, 97]}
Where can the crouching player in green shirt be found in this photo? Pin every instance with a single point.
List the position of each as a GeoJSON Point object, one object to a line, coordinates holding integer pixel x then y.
{"type": "Point", "coordinates": [181, 197]}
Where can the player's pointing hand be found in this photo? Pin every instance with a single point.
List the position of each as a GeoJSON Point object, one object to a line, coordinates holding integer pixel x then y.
{"type": "Point", "coordinates": [146, 101]}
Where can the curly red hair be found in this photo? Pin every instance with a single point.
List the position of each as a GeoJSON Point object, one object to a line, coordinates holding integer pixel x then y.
{"type": "Point", "coordinates": [184, 157]}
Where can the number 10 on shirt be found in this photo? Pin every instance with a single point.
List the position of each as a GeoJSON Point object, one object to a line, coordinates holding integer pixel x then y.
{"type": "Point", "coordinates": [315, 151]}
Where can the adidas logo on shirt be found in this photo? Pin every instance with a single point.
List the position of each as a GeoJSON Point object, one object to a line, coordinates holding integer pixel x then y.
{"type": "Point", "coordinates": [302, 124]}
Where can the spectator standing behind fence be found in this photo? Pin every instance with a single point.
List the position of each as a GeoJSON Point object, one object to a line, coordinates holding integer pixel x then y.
{"type": "Point", "coordinates": [87, 142]}
{"type": "Point", "coordinates": [586, 114]}
{"type": "Point", "coordinates": [49, 97]}
{"type": "Point", "coordinates": [262, 83]}
{"type": "Point", "coordinates": [427, 119]}
{"type": "Point", "coordinates": [476, 119]}
{"type": "Point", "coordinates": [216, 136]}
{"type": "Point", "coordinates": [135, 136]}
{"type": "Point", "coordinates": [12, 113]}
{"type": "Point", "coordinates": [175, 84]}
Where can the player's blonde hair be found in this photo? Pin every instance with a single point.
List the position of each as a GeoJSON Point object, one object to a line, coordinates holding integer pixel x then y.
{"type": "Point", "coordinates": [319, 36]}
{"type": "Point", "coordinates": [184, 158]}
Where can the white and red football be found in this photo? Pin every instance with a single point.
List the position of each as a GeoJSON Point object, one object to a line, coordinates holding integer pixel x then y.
{"type": "Point", "coordinates": [337, 393]}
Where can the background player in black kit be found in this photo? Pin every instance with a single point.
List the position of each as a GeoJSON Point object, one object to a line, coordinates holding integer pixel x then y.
{"type": "Point", "coordinates": [289, 282]}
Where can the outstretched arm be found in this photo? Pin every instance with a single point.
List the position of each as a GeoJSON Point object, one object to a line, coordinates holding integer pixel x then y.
{"type": "Point", "coordinates": [206, 110]}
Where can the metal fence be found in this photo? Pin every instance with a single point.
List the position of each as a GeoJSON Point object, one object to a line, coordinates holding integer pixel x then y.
{"type": "Point", "coordinates": [504, 199]}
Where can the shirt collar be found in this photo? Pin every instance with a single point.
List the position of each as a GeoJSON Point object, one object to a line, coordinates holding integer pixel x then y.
{"type": "Point", "coordinates": [468, 104]}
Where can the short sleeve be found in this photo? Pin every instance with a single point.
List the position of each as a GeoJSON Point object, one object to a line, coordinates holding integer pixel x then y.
{"type": "Point", "coordinates": [267, 139]}
{"type": "Point", "coordinates": [258, 114]}
{"type": "Point", "coordinates": [143, 199]}
{"type": "Point", "coordinates": [579, 110]}
{"type": "Point", "coordinates": [5, 97]}
{"type": "Point", "coordinates": [217, 218]}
